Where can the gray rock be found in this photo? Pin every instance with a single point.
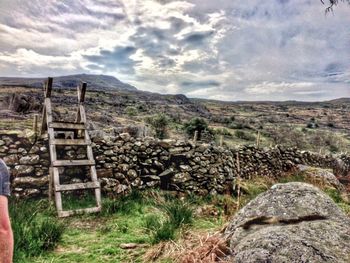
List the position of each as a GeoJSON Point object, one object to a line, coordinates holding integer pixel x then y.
{"type": "Point", "coordinates": [293, 222]}
{"type": "Point", "coordinates": [23, 170]}
{"type": "Point", "coordinates": [30, 159]}
{"type": "Point", "coordinates": [11, 159]}
{"type": "Point", "coordinates": [320, 176]}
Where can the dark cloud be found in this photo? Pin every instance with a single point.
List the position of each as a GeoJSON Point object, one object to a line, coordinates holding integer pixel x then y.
{"type": "Point", "coordinates": [200, 84]}
{"type": "Point", "coordinates": [197, 38]}
{"type": "Point", "coordinates": [117, 59]}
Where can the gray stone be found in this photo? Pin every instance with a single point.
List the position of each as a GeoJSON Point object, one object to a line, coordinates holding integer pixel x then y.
{"type": "Point", "coordinates": [32, 181]}
{"type": "Point", "coordinates": [293, 222]}
{"type": "Point", "coordinates": [132, 174]}
{"type": "Point", "coordinates": [11, 159]}
{"type": "Point", "coordinates": [23, 170]}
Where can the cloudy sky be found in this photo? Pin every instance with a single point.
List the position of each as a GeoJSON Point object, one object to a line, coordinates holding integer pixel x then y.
{"type": "Point", "coordinates": [216, 49]}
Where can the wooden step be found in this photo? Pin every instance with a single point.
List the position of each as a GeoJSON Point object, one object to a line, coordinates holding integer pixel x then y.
{"type": "Point", "coordinates": [73, 163]}
{"type": "Point", "coordinates": [67, 126]}
{"type": "Point", "coordinates": [70, 142]}
{"type": "Point", "coordinates": [79, 211]}
{"type": "Point", "coordinates": [77, 186]}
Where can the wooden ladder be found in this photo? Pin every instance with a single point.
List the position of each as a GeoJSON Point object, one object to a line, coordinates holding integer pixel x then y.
{"type": "Point", "coordinates": [78, 128]}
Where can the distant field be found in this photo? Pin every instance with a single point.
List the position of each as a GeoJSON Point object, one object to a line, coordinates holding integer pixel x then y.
{"type": "Point", "coordinates": [317, 126]}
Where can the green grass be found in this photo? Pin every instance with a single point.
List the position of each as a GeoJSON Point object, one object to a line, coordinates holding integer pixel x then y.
{"type": "Point", "coordinates": [145, 218]}
{"type": "Point", "coordinates": [142, 218]}
{"type": "Point", "coordinates": [35, 228]}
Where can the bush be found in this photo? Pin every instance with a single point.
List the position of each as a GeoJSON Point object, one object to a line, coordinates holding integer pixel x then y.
{"type": "Point", "coordinates": [196, 124]}
{"type": "Point", "coordinates": [35, 231]}
{"type": "Point", "coordinates": [223, 131]}
{"type": "Point", "coordinates": [160, 124]}
{"type": "Point", "coordinates": [131, 111]}
{"type": "Point", "coordinates": [244, 135]}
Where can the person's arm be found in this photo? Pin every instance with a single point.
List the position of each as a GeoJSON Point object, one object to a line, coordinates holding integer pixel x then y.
{"type": "Point", "coordinates": [6, 236]}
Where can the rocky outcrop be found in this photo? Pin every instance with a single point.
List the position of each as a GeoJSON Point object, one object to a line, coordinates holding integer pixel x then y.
{"type": "Point", "coordinates": [293, 222]}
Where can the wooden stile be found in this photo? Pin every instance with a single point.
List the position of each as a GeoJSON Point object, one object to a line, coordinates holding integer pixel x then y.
{"type": "Point", "coordinates": [78, 126]}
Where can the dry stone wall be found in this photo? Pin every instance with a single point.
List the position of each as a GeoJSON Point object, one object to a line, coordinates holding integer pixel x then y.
{"type": "Point", "coordinates": [124, 163]}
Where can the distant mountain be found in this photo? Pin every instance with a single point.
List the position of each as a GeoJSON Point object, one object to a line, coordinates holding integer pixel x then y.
{"type": "Point", "coordinates": [95, 82]}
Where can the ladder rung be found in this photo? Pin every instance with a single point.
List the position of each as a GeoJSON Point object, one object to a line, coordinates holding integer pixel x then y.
{"type": "Point", "coordinates": [79, 211]}
{"type": "Point", "coordinates": [77, 186]}
{"type": "Point", "coordinates": [70, 142]}
{"type": "Point", "coordinates": [73, 163]}
{"type": "Point", "coordinates": [67, 126]}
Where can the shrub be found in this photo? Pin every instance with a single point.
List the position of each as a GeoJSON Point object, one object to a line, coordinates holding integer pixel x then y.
{"type": "Point", "coordinates": [131, 111]}
{"type": "Point", "coordinates": [160, 124]}
{"type": "Point", "coordinates": [223, 131]}
{"type": "Point", "coordinates": [195, 124]}
{"type": "Point", "coordinates": [244, 135]}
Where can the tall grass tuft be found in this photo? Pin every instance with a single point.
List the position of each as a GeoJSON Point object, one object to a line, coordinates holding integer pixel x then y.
{"type": "Point", "coordinates": [178, 213]}
{"type": "Point", "coordinates": [35, 231]}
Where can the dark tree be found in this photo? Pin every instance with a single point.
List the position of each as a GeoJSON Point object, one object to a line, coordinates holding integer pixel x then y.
{"type": "Point", "coordinates": [332, 3]}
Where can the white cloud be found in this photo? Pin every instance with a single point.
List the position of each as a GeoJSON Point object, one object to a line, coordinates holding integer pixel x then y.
{"type": "Point", "coordinates": [249, 50]}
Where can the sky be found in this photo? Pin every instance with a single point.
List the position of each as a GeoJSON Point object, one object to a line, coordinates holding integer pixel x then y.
{"type": "Point", "coordinates": [215, 49]}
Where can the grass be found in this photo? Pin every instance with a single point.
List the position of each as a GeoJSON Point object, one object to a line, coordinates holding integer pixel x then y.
{"type": "Point", "coordinates": [154, 221]}
{"type": "Point", "coordinates": [35, 229]}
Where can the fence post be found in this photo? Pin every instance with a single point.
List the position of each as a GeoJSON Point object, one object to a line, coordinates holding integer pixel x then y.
{"type": "Point", "coordinates": [258, 140]}
{"type": "Point", "coordinates": [195, 136]}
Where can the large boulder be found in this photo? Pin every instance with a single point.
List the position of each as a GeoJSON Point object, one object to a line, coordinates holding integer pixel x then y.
{"type": "Point", "coordinates": [292, 222]}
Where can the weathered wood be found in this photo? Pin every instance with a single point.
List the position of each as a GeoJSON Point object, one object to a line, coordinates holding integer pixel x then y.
{"type": "Point", "coordinates": [58, 196]}
{"type": "Point", "coordinates": [82, 114]}
{"type": "Point", "coordinates": [50, 184]}
{"type": "Point", "coordinates": [258, 138]}
{"type": "Point", "coordinates": [60, 163]}
{"type": "Point", "coordinates": [48, 87]}
{"type": "Point", "coordinates": [77, 186]}
{"type": "Point", "coordinates": [65, 126]}
{"type": "Point", "coordinates": [79, 211]}
{"type": "Point", "coordinates": [78, 126]}
{"type": "Point", "coordinates": [35, 124]}
{"type": "Point", "coordinates": [43, 122]}
{"type": "Point", "coordinates": [195, 136]}
{"type": "Point", "coordinates": [70, 142]}
{"type": "Point", "coordinates": [81, 92]}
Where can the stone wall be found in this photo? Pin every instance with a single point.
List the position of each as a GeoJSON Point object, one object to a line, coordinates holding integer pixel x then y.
{"type": "Point", "coordinates": [124, 163]}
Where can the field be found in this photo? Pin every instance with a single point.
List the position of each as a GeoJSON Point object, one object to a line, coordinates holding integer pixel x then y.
{"type": "Point", "coordinates": [317, 126]}
{"type": "Point", "coordinates": [151, 226]}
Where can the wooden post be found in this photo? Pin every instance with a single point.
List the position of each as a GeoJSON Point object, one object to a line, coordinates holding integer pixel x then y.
{"type": "Point", "coordinates": [47, 94]}
{"type": "Point", "coordinates": [238, 181]}
{"type": "Point", "coordinates": [35, 124]}
{"type": "Point", "coordinates": [50, 185]}
{"type": "Point", "coordinates": [195, 136]}
{"type": "Point", "coordinates": [221, 140]}
{"type": "Point", "coordinates": [258, 140]}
